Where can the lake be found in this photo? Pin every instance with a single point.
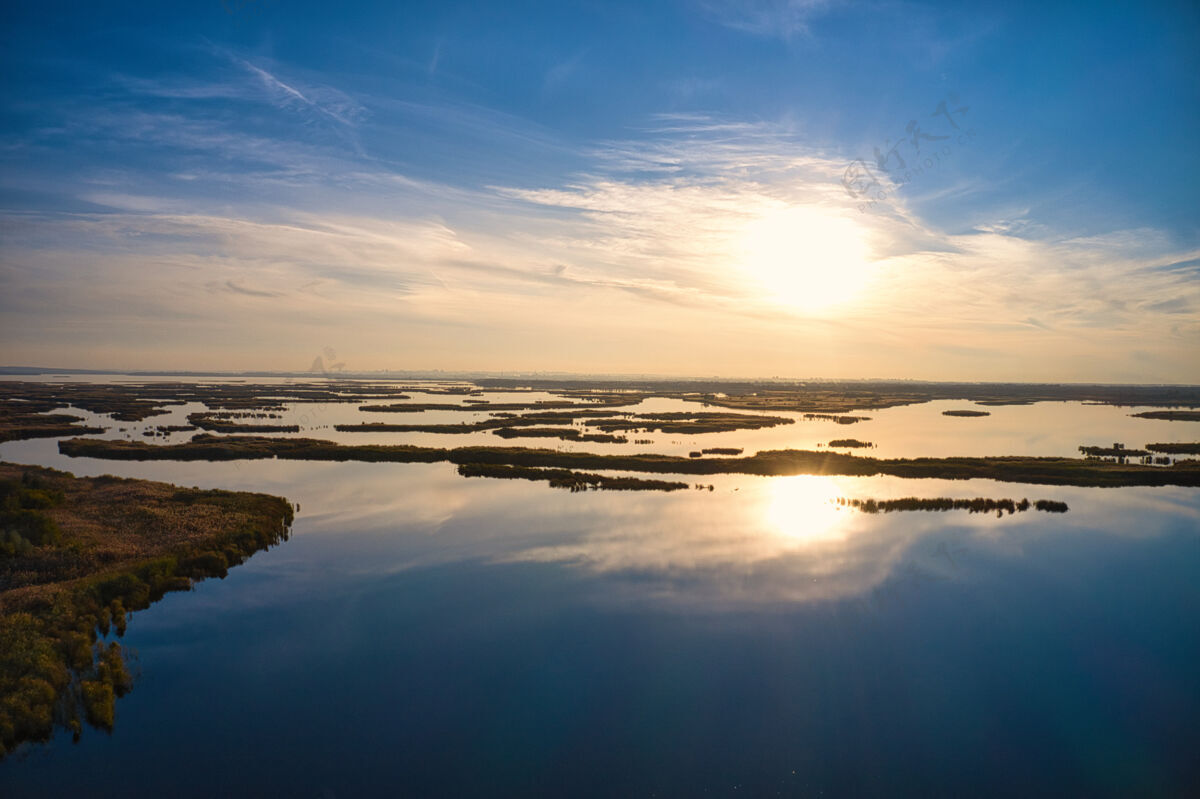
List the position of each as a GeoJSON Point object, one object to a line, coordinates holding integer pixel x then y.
{"type": "Point", "coordinates": [425, 634]}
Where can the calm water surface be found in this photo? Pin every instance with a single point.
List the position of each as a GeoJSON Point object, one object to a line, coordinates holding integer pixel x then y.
{"type": "Point", "coordinates": [423, 634]}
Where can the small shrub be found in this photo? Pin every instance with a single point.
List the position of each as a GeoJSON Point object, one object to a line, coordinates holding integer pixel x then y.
{"type": "Point", "coordinates": [99, 703]}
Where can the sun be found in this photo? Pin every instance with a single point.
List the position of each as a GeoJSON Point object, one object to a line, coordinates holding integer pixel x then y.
{"type": "Point", "coordinates": [807, 259]}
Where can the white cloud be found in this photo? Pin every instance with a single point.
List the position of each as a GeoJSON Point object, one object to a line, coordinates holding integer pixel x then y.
{"type": "Point", "coordinates": [323, 100]}
{"type": "Point", "coordinates": [633, 265]}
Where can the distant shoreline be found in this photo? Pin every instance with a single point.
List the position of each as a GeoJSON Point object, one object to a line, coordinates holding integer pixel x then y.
{"type": "Point", "coordinates": [573, 379]}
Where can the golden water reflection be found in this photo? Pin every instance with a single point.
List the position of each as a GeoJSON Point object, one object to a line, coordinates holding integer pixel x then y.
{"type": "Point", "coordinates": [786, 540]}
{"type": "Point", "coordinates": [803, 508]}
{"type": "Point", "coordinates": [772, 540]}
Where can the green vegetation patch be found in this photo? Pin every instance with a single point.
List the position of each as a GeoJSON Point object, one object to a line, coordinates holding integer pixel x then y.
{"type": "Point", "coordinates": [24, 522]}
{"type": "Point", "coordinates": [98, 549]}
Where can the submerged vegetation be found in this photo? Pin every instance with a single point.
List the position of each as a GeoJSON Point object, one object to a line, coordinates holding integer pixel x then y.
{"type": "Point", "coordinates": [218, 423]}
{"type": "Point", "coordinates": [1013, 469]}
{"type": "Point", "coordinates": [829, 417]}
{"type": "Point", "coordinates": [977, 505]}
{"type": "Point", "coordinates": [90, 550]}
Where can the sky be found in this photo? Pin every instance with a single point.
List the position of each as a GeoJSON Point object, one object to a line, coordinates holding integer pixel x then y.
{"type": "Point", "coordinates": [763, 188]}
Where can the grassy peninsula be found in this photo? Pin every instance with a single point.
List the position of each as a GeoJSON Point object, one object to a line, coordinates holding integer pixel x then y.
{"type": "Point", "coordinates": [78, 555]}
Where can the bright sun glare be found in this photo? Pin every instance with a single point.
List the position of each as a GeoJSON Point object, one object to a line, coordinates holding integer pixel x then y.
{"type": "Point", "coordinates": [803, 508]}
{"type": "Point", "coordinates": [806, 259]}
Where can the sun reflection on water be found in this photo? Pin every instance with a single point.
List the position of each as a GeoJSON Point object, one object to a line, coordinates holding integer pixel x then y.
{"type": "Point", "coordinates": [804, 509]}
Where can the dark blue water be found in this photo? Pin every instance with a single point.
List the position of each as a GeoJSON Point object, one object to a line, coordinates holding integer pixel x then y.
{"type": "Point", "coordinates": [426, 635]}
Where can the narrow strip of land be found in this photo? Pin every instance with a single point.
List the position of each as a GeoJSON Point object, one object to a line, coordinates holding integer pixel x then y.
{"type": "Point", "coordinates": [1012, 469]}
{"type": "Point", "coordinates": [568, 478]}
{"type": "Point", "coordinates": [1169, 416]}
{"type": "Point", "coordinates": [976, 505]}
{"type": "Point", "coordinates": [1176, 448]}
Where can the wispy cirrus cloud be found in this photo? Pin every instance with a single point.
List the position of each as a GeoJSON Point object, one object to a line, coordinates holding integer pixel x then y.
{"type": "Point", "coordinates": [325, 101]}
{"type": "Point", "coordinates": [773, 18]}
{"type": "Point", "coordinates": [561, 72]}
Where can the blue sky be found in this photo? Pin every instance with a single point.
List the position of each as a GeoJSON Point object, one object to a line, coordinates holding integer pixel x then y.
{"type": "Point", "coordinates": [605, 187]}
